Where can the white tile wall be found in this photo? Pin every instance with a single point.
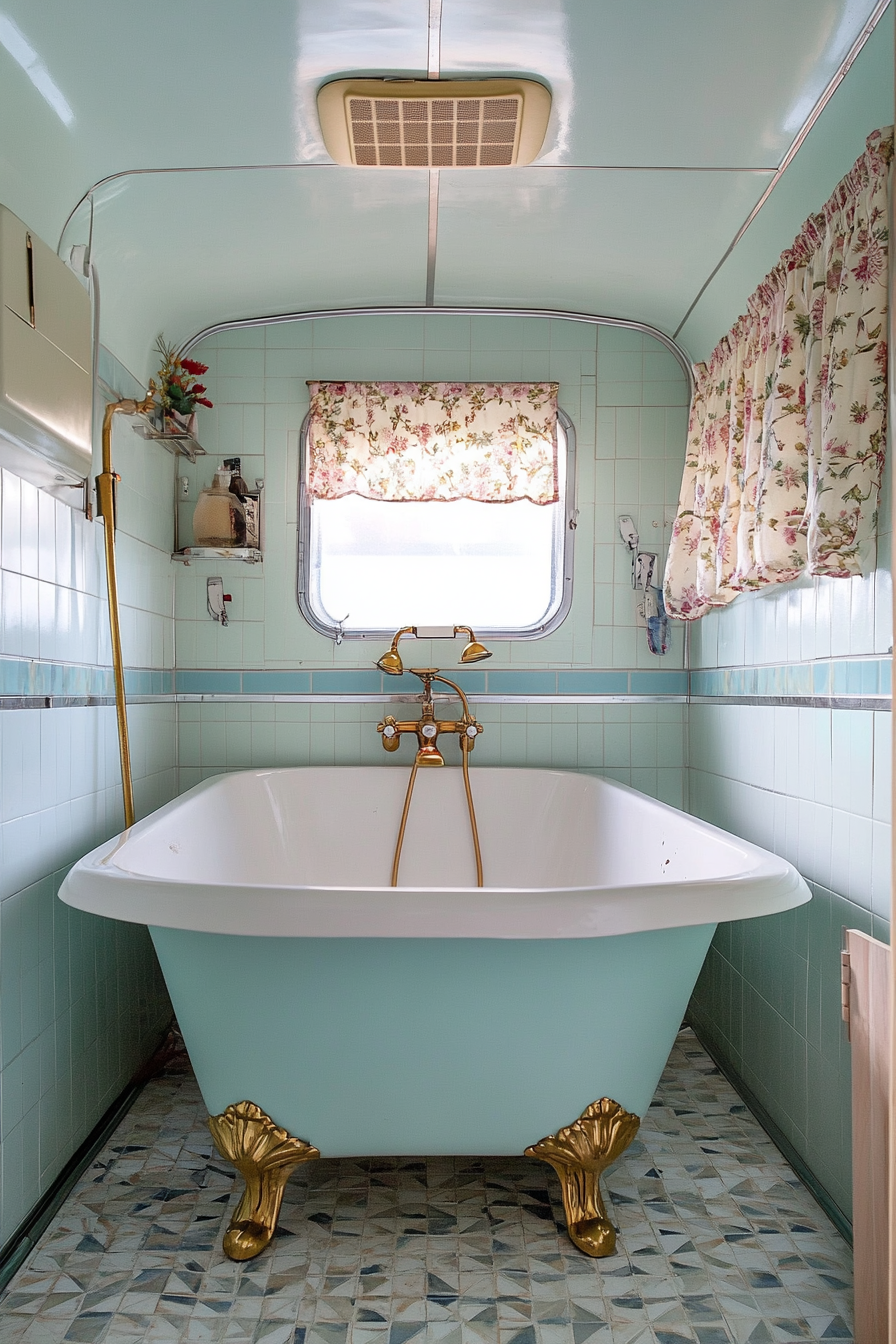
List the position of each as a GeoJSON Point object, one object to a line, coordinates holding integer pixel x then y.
{"type": "Point", "coordinates": [81, 1000]}
{"type": "Point", "coordinates": [814, 786]}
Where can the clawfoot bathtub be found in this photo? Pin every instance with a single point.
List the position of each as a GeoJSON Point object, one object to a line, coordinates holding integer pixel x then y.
{"type": "Point", "coordinates": [432, 1018]}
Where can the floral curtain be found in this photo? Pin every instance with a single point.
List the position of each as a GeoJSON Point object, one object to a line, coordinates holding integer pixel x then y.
{"type": "Point", "coordinates": [493, 442]}
{"type": "Point", "coordinates": [787, 433]}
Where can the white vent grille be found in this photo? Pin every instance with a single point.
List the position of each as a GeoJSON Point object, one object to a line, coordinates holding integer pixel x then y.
{"type": "Point", "coordinates": [379, 123]}
{"type": "Point", "coordinates": [442, 133]}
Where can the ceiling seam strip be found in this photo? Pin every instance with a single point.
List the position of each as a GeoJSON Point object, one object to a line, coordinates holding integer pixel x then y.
{"type": "Point", "coordinates": [432, 236]}
{"type": "Point", "coordinates": [839, 75]}
{"type": "Point", "coordinates": [433, 70]}
{"type": "Point", "coordinates": [434, 42]}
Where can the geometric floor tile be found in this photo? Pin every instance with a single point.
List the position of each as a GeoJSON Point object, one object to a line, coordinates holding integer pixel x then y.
{"type": "Point", "coordinates": [719, 1243]}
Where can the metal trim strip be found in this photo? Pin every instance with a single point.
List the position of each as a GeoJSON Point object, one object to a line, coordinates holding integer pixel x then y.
{"type": "Point", "coordinates": [879, 702]}
{"type": "Point", "coordinates": [383, 698]}
{"type": "Point", "coordinates": [78, 701]}
{"type": "Point", "coordinates": [882, 703]}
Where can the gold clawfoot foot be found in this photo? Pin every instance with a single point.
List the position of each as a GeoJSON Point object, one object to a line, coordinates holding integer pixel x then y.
{"type": "Point", "coordinates": [264, 1155]}
{"type": "Point", "coordinates": [578, 1154]}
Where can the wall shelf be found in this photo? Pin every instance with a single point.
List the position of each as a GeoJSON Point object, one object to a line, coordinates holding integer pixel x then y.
{"type": "Point", "coordinates": [181, 445]}
{"type": "Point", "coordinates": [185, 445]}
{"type": "Point", "coordinates": [247, 554]}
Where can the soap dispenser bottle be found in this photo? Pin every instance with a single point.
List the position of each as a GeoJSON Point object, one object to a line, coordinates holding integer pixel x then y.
{"type": "Point", "coordinates": [219, 518]}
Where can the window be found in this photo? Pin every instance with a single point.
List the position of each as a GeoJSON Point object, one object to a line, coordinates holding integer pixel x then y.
{"type": "Point", "coordinates": [367, 567]}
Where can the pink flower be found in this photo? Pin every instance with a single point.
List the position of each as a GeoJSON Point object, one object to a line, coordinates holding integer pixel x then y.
{"type": "Point", "coordinates": [838, 449]}
{"type": "Point", "coordinates": [790, 536]}
{"type": "Point", "coordinates": [786, 343]}
{"type": "Point", "coordinates": [870, 268]}
{"type": "Point", "coordinates": [834, 275]}
{"type": "Point", "coordinates": [816, 315]}
{"type": "Point", "coordinates": [790, 478]}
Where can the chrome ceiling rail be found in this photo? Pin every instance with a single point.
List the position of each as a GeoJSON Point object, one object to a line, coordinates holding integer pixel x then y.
{"type": "Point", "coordinates": [330, 165]}
{"type": "Point", "coordinates": [839, 75]}
{"type": "Point", "coordinates": [464, 310]}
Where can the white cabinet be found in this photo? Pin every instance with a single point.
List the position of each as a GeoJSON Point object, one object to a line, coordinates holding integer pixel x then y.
{"type": "Point", "coordinates": [45, 363]}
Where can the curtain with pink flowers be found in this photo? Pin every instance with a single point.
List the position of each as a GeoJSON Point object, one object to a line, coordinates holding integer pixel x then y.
{"type": "Point", "coordinates": [493, 442]}
{"type": "Point", "coordinates": [787, 432]}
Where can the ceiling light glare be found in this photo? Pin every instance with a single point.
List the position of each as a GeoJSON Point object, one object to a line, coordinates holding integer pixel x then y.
{"type": "Point", "coordinates": [22, 52]}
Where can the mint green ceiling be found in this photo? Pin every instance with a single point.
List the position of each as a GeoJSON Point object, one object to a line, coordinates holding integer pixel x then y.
{"type": "Point", "coordinates": [863, 102]}
{"type": "Point", "coordinates": [668, 122]}
{"type": "Point", "coordinates": [635, 242]}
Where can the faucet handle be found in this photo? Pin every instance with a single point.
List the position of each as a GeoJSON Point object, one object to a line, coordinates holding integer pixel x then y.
{"type": "Point", "coordinates": [388, 730]}
{"type": "Point", "coordinates": [469, 734]}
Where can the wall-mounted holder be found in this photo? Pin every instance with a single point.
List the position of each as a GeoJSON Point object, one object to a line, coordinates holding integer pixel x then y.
{"type": "Point", "coordinates": [216, 598]}
{"type": "Point", "coordinates": [649, 612]}
{"type": "Point", "coordinates": [181, 445]}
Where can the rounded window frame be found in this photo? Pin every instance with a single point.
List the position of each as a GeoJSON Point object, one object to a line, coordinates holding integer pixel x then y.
{"type": "Point", "coordinates": [538, 631]}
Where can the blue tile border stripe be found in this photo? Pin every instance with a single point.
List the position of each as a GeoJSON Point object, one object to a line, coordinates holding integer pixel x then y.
{"type": "Point", "coordinates": [835, 677]}
{"type": "Point", "coordinates": [35, 677]}
{"type": "Point", "coordinates": [844, 683]}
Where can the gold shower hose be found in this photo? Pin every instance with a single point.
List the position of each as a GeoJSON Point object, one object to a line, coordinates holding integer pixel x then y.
{"type": "Point", "coordinates": [465, 755]}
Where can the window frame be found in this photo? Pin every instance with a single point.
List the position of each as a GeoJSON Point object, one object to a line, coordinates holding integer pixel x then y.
{"type": "Point", "coordinates": [545, 627]}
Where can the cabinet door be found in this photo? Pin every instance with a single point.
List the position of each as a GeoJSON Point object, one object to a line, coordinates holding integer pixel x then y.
{"type": "Point", "coordinates": [61, 305]}
{"type": "Point", "coordinates": [14, 280]}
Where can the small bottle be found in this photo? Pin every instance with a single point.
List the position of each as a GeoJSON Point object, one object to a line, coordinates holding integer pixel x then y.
{"type": "Point", "coordinates": [249, 500]}
{"type": "Point", "coordinates": [219, 518]}
{"type": "Point", "coordinates": [237, 484]}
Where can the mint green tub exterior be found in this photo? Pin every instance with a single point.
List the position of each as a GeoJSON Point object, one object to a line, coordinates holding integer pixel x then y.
{"type": "Point", "coordinates": [435, 1017]}
{"type": "Point", "coordinates": [429, 1046]}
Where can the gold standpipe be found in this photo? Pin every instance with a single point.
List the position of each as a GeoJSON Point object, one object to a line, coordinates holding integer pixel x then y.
{"type": "Point", "coordinates": [105, 494]}
{"type": "Point", "coordinates": [427, 729]}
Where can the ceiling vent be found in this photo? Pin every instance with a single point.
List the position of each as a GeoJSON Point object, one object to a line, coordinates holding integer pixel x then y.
{"type": "Point", "coordinates": [433, 123]}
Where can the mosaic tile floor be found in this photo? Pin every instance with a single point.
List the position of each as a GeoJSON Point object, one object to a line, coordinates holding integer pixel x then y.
{"type": "Point", "coordinates": [718, 1242]}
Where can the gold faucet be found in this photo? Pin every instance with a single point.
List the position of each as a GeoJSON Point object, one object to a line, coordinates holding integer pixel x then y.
{"type": "Point", "coordinates": [428, 727]}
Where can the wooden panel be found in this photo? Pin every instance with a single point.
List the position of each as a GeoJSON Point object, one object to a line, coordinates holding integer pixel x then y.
{"type": "Point", "coordinates": [869, 1034]}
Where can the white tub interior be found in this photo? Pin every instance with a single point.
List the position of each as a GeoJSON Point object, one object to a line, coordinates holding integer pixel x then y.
{"type": "Point", "coordinates": [337, 827]}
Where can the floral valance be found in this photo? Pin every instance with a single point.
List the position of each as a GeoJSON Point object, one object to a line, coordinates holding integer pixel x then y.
{"type": "Point", "coordinates": [493, 442]}
{"type": "Point", "coordinates": [787, 432]}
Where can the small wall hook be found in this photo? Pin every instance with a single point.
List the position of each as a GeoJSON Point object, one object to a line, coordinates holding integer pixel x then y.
{"type": "Point", "coordinates": [215, 599]}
